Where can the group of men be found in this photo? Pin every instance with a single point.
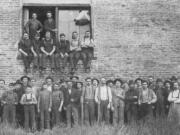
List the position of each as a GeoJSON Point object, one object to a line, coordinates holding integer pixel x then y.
{"type": "Point", "coordinates": [37, 50]}
{"type": "Point", "coordinates": [75, 102]}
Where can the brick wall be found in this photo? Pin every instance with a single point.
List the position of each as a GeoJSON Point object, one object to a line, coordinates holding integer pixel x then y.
{"type": "Point", "coordinates": [133, 38]}
{"type": "Point", "coordinates": [10, 24]}
{"type": "Point", "coordinates": [137, 37]}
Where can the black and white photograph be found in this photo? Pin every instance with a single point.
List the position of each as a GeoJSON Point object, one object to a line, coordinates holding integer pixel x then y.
{"type": "Point", "coordinates": [89, 67]}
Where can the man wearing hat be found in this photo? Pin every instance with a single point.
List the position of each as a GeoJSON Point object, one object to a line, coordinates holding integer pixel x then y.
{"type": "Point", "coordinates": [147, 97]}
{"type": "Point", "coordinates": [167, 90]}
{"type": "Point", "coordinates": [131, 103]}
{"type": "Point", "coordinates": [118, 95]}
{"type": "Point", "coordinates": [35, 48]}
{"type": "Point", "coordinates": [62, 52]}
{"type": "Point", "coordinates": [72, 98]}
{"type": "Point", "coordinates": [88, 96]}
{"type": "Point", "coordinates": [9, 101]}
{"type": "Point", "coordinates": [57, 104]}
{"type": "Point", "coordinates": [159, 91]}
{"type": "Point", "coordinates": [103, 97]}
{"type": "Point", "coordinates": [138, 84]}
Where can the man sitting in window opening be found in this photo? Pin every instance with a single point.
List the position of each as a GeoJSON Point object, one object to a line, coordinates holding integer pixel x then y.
{"type": "Point", "coordinates": [48, 48]}
{"type": "Point", "coordinates": [74, 51]}
{"type": "Point", "coordinates": [62, 52]}
{"type": "Point", "coordinates": [87, 50]}
{"type": "Point", "coordinates": [24, 47]}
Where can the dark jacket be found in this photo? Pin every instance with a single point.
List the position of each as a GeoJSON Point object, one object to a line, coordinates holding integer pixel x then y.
{"type": "Point", "coordinates": [63, 47]}
{"type": "Point", "coordinates": [74, 95]}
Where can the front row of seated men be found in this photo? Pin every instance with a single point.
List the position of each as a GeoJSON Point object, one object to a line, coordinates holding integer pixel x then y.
{"type": "Point", "coordinates": [39, 51]}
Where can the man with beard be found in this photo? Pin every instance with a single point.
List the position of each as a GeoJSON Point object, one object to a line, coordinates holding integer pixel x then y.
{"type": "Point", "coordinates": [103, 97]}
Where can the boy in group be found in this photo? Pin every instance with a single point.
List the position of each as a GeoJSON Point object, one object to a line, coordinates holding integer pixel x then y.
{"type": "Point", "coordinates": [44, 107]}
{"type": "Point", "coordinates": [88, 97]}
{"type": "Point", "coordinates": [24, 47]}
{"type": "Point", "coordinates": [9, 101]}
{"type": "Point", "coordinates": [146, 98]}
{"type": "Point", "coordinates": [57, 104]}
{"type": "Point", "coordinates": [49, 82]}
{"type": "Point", "coordinates": [29, 101]}
{"type": "Point", "coordinates": [48, 48]}
{"type": "Point", "coordinates": [103, 97]}
{"type": "Point", "coordinates": [35, 48]}
{"type": "Point", "coordinates": [62, 52]}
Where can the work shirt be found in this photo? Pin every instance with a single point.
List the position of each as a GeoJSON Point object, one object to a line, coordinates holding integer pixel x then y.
{"type": "Point", "coordinates": [36, 44]}
{"type": "Point", "coordinates": [32, 26]}
{"type": "Point", "coordinates": [88, 92]}
{"type": "Point", "coordinates": [2, 90]}
{"type": "Point", "coordinates": [118, 95]}
{"type": "Point", "coordinates": [63, 47]}
{"type": "Point", "coordinates": [87, 43]}
{"type": "Point", "coordinates": [48, 45]}
{"type": "Point", "coordinates": [57, 97]}
{"type": "Point", "coordinates": [9, 97]}
{"type": "Point", "coordinates": [28, 98]}
{"type": "Point", "coordinates": [45, 100]}
{"type": "Point", "coordinates": [75, 45]}
{"type": "Point", "coordinates": [25, 45]}
{"type": "Point", "coordinates": [103, 93]}
{"type": "Point", "coordinates": [49, 24]}
{"type": "Point", "coordinates": [174, 95]}
{"type": "Point", "coordinates": [146, 96]}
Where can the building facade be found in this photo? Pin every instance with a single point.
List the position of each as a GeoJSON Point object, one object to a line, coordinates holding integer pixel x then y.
{"type": "Point", "coordinates": [133, 37]}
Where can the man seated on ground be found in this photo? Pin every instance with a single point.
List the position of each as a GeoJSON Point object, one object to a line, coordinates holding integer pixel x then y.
{"type": "Point", "coordinates": [87, 46]}
{"type": "Point", "coordinates": [24, 47]}
{"type": "Point", "coordinates": [48, 48]}
{"type": "Point", "coordinates": [62, 52]}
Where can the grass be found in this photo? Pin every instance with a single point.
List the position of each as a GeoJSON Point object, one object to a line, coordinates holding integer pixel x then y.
{"type": "Point", "coordinates": [151, 127]}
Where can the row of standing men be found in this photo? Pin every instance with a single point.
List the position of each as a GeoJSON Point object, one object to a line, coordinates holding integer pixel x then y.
{"type": "Point", "coordinates": [74, 102]}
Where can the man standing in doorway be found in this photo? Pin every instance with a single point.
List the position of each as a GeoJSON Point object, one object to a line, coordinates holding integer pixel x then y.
{"type": "Point", "coordinates": [33, 26]}
{"type": "Point", "coordinates": [50, 25]}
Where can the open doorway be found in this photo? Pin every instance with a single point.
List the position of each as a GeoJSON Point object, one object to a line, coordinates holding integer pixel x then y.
{"type": "Point", "coordinates": [41, 14]}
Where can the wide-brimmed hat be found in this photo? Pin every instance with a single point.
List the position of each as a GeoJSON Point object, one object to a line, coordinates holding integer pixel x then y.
{"type": "Point", "coordinates": [25, 77]}
{"type": "Point", "coordinates": [95, 79]}
{"type": "Point", "coordinates": [71, 77]}
{"type": "Point", "coordinates": [118, 79]}
{"type": "Point", "coordinates": [109, 81]}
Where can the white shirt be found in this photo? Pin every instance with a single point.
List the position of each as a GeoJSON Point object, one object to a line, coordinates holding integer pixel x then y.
{"type": "Point", "coordinates": [69, 91]}
{"type": "Point", "coordinates": [49, 88]}
{"type": "Point", "coordinates": [174, 96]}
{"type": "Point", "coordinates": [103, 93]}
